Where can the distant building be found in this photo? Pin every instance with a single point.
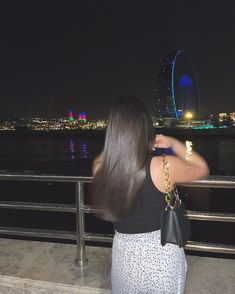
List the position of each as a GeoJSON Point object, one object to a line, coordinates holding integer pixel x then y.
{"type": "Point", "coordinates": [222, 116]}
{"type": "Point", "coordinates": [232, 115]}
{"type": "Point", "coordinates": [163, 92]}
{"type": "Point", "coordinates": [177, 88]}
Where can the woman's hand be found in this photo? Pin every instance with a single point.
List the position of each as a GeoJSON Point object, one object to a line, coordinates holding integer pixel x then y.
{"type": "Point", "coordinates": [181, 169]}
{"type": "Point", "coordinates": [162, 141]}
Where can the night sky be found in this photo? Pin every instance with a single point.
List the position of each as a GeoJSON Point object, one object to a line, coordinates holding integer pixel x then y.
{"type": "Point", "coordinates": [82, 55]}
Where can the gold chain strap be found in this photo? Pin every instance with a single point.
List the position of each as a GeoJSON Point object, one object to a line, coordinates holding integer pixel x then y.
{"type": "Point", "coordinates": [169, 192]}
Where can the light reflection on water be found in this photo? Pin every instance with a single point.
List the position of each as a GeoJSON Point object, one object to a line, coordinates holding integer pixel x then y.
{"type": "Point", "coordinates": [65, 153]}
{"type": "Point", "coordinates": [78, 149]}
{"type": "Point", "coordinates": [57, 155]}
{"type": "Point", "coordinates": [72, 149]}
{"type": "Point", "coordinates": [84, 149]}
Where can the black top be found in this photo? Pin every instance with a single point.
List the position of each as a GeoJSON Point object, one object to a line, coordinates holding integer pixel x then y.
{"type": "Point", "coordinates": [147, 214]}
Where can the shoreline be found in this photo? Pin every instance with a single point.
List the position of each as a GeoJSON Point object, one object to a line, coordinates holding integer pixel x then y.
{"type": "Point", "coordinates": [227, 132]}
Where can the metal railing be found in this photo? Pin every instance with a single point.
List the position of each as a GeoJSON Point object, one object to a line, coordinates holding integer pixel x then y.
{"type": "Point", "coordinates": [53, 207]}
{"type": "Point", "coordinates": [81, 209]}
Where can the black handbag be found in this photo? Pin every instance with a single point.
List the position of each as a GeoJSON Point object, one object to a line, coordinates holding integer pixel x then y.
{"type": "Point", "coordinates": [175, 226]}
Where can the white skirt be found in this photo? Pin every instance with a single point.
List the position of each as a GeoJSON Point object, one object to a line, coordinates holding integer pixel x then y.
{"type": "Point", "coordinates": [140, 264]}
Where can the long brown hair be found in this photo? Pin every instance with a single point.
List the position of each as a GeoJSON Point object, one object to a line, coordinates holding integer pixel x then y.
{"type": "Point", "coordinates": [129, 140]}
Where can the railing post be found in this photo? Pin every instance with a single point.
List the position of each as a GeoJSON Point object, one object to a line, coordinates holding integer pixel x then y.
{"type": "Point", "coordinates": [81, 255]}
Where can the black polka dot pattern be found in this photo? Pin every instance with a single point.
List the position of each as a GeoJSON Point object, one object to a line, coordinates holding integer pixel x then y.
{"type": "Point", "coordinates": [141, 265]}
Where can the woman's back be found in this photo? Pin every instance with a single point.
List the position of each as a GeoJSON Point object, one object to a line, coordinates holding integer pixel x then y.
{"type": "Point", "coordinates": [147, 213]}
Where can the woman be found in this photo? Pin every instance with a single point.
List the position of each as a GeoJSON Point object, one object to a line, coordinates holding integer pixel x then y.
{"type": "Point", "coordinates": [129, 187]}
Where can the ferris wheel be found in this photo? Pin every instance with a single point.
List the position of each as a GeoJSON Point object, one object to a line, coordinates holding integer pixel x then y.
{"type": "Point", "coordinates": [177, 92]}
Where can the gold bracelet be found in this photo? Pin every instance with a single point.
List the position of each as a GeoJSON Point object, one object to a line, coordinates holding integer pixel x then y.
{"type": "Point", "coordinates": [189, 149]}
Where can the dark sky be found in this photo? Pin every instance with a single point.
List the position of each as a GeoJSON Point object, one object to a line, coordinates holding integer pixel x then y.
{"type": "Point", "coordinates": [82, 55]}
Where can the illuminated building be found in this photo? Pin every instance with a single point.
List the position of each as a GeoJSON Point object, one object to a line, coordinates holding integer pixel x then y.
{"type": "Point", "coordinates": [71, 115]}
{"type": "Point", "coordinates": [177, 87]}
{"type": "Point", "coordinates": [222, 116]}
{"type": "Point", "coordinates": [232, 115]}
{"type": "Point", "coordinates": [82, 116]}
{"type": "Point", "coordinates": [164, 99]}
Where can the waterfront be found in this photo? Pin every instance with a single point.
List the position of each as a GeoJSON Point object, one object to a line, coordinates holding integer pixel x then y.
{"type": "Point", "coordinates": [73, 155]}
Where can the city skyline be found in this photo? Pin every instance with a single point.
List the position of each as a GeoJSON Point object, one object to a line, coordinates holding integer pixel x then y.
{"type": "Point", "coordinates": [59, 56]}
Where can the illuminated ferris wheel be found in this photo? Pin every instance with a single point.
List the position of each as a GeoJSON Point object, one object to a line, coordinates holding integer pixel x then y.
{"type": "Point", "coordinates": [177, 92]}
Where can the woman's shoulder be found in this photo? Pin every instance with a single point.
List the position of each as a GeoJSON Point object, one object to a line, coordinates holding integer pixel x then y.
{"type": "Point", "coordinates": [179, 170]}
{"type": "Point", "coordinates": [157, 171]}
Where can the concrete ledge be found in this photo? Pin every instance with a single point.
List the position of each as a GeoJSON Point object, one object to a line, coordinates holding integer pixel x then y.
{"type": "Point", "coordinates": [13, 285]}
{"type": "Point", "coordinates": [32, 267]}
{"type": "Point", "coordinates": [208, 275]}
{"type": "Point", "coordinates": [29, 265]}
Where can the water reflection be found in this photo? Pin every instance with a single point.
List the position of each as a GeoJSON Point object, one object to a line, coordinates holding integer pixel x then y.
{"type": "Point", "coordinates": [83, 149]}
{"type": "Point", "coordinates": [78, 149]}
{"type": "Point", "coordinates": [40, 154]}
{"type": "Point", "coordinates": [72, 149]}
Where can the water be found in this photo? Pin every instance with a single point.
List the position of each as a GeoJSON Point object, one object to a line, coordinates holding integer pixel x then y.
{"type": "Point", "coordinates": [73, 155]}
{"type": "Point", "coordinates": [53, 155]}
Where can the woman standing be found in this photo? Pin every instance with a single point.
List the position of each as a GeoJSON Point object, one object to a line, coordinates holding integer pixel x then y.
{"type": "Point", "coordinates": [129, 186]}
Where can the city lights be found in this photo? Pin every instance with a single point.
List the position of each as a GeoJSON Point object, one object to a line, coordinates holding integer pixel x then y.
{"type": "Point", "coordinates": [188, 115]}
{"type": "Point", "coordinates": [80, 122]}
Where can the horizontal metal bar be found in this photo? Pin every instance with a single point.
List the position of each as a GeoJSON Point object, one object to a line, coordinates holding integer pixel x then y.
{"type": "Point", "coordinates": [194, 215]}
{"type": "Point", "coordinates": [211, 216]}
{"type": "Point", "coordinates": [108, 238]}
{"type": "Point", "coordinates": [38, 206]}
{"type": "Point", "coordinates": [98, 237]}
{"type": "Point", "coordinates": [191, 245]}
{"type": "Point", "coordinates": [45, 178]}
{"type": "Point", "coordinates": [90, 209]}
{"type": "Point", "coordinates": [26, 232]}
{"type": "Point", "coordinates": [210, 247]}
{"type": "Point", "coordinates": [212, 182]}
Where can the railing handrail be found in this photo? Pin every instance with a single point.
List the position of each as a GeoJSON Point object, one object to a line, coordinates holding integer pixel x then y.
{"type": "Point", "coordinates": [51, 178]}
{"type": "Point", "coordinates": [80, 209]}
{"type": "Point", "coordinates": [213, 181]}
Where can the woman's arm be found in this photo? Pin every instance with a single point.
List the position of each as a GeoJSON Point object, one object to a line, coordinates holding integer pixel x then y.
{"type": "Point", "coordinates": [181, 169]}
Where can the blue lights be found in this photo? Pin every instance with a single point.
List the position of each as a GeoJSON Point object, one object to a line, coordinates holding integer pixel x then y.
{"type": "Point", "coordinates": [180, 113]}
{"type": "Point", "coordinates": [185, 81]}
